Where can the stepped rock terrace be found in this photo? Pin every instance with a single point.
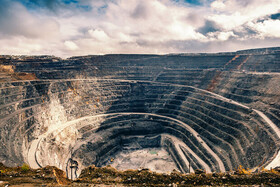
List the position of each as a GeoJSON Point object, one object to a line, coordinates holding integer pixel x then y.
{"type": "Point", "coordinates": [192, 111]}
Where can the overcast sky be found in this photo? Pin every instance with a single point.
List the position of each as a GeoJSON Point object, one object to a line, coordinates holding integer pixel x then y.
{"type": "Point", "coordinates": [71, 27]}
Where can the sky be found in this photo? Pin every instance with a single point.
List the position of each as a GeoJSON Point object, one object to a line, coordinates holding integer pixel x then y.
{"type": "Point", "coordinates": [67, 28]}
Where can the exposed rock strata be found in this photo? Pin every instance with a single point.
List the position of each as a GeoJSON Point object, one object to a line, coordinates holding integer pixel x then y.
{"type": "Point", "coordinates": [212, 112]}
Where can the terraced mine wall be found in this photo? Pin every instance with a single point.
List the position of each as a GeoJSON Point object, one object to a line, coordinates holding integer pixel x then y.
{"type": "Point", "coordinates": [199, 111]}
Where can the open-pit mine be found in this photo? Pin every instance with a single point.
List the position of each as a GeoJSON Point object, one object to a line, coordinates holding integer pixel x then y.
{"type": "Point", "coordinates": [213, 112]}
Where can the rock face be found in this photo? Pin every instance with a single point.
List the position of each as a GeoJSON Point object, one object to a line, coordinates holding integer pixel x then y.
{"type": "Point", "coordinates": [207, 111]}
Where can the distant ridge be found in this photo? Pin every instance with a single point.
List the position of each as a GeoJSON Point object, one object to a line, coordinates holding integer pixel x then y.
{"type": "Point", "coordinates": [259, 50]}
{"type": "Point", "coordinates": [256, 51]}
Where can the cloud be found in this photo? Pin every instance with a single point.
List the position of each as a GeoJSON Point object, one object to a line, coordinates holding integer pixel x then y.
{"type": "Point", "coordinates": [140, 11]}
{"type": "Point", "coordinates": [267, 28]}
{"type": "Point", "coordinates": [16, 20]}
{"type": "Point", "coordinates": [70, 27]}
{"type": "Point", "coordinates": [218, 5]}
{"type": "Point", "coordinates": [221, 36]}
{"type": "Point", "coordinates": [19, 45]}
{"type": "Point", "coordinates": [71, 45]}
{"type": "Point", "coordinates": [98, 34]}
{"type": "Point", "coordinates": [208, 27]}
{"type": "Point", "coordinates": [229, 14]}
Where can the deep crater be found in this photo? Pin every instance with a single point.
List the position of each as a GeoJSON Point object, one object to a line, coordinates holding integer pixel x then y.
{"type": "Point", "coordinates": [163, 112]}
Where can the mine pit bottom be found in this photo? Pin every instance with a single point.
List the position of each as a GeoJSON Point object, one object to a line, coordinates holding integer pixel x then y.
{"type": "Point", "coordinates": [155, 159]}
